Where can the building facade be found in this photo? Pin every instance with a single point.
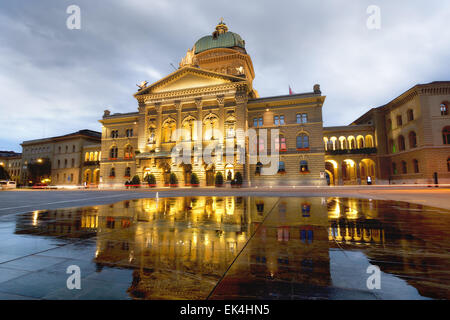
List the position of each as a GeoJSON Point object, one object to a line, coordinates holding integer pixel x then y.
{"type": "Point", "coordinates": [209, 104]}
{"type": "Point", "coordinates": [11, 163]}
{"type": "Point", "coordinates": [66, 155]}
{"type": "Point", "coordinates": [406, 141]}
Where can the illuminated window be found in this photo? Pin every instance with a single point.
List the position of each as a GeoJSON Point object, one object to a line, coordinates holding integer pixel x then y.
{"type": "Point", "coordinates": [394, 168]}
{"type": "Point", "coordinates": [261, 144]}
{"type": "Point", "coordinates": [128, 152]}
{"type": "Point", "coordinates": [276, 120]}
{"type": "Point", "coordinates": [304, 166]}
{"type": "Point", "coordinates": [280, 143]}
{"type": "Point", "coordinates": [281, 120]}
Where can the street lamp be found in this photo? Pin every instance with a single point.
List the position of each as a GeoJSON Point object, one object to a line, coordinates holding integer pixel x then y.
{"type": "Point", "coordinates": [39, 160]}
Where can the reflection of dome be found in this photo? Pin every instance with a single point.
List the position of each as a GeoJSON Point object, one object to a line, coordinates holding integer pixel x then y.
{"type": "Point", "coordinates": [221, 38]}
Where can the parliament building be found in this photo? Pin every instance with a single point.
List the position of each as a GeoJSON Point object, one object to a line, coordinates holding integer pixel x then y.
{"type": "Point", "coordinates": [405, 141]}
{"type": "Point", "coordinates": [209, 104]}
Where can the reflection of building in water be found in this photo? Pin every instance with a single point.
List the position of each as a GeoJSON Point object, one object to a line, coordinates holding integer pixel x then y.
{"type": "Point", "coordinates": [173, 243]}
{"type": "Point", "coordinates": [181, 247]}
{"type": "Point", "coordinates": [64, 223]}
{"type": "Point", "coordinates": [353, 220]}
{"type": "Point", "coordinates": [289, 249]}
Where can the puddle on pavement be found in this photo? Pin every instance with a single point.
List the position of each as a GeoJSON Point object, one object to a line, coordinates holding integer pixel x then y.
{"type": "Point", "coordinates": [228, 248]}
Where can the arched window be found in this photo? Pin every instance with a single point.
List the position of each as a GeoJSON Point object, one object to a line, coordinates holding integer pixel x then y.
{"type": "Point", "coordinates": [127, 172]}
{"type": "Point", "coordinates": [401, 143]}
{"type": "Point", "coordinates": [410, 115]}
{"type": "Point", "coordinates": [416, 166]}
{"type": "Point", "coordinates": [189, 129]}
{"type": "Point", "coordinates": [304, 166]}
{"type": "Point", "coordinates": [96, 158]}
{"type": "Point", "coordinates": [86, 156]}
{"type": "Point", "coordinates": [446, 135]}
{"type": "Point", "coordinates": [360, 142]}
{"type": "Point", "coordinates": [280, 143]}
{"type": "Point", "coordinates": [113, 153]}
{"type": "Point", "coordinates": [412, 140]}
{"type": "Point", "coordinates": [369, 141]}
{"type": "Point", "coordinates": [210, 125]}
{"type": "Point", "coordinates": [444, 108]}
{"type": "Point", "coordinates": [112, 172]}
{"type": "Point", "coordinates": [169, 127]}
{"type": "Point", "coordinates": [394, 168]}
{"type": "Point", "coordinates": [91, 156]}
{"type": "Point", "coordinates": [128, 152]}
{"type": "Point", "coordinates": [392, 146]}
{"type": "Point", "coordinates": [230, 127]}
{"type": "Point", "coordinates": [302, 141]}
{"type": "Point", "coordinates": [404, 167]}
{"type": "Point", "coordinates": [448, 164]}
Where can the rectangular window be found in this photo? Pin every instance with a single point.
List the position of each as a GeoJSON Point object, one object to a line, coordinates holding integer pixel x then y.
{"type": "Point", "coordinates": [304, 118]}
{"type": "Point", "coordinates": [399, 120]}
{"type": "Point", "coordinates": [260, 122]}
{"type": "Point", "coordinates": [276, 120]}
{"type": "Point", "coordinates": [255, 122]}
{"type": "Point", "coordinates": [281, 120]}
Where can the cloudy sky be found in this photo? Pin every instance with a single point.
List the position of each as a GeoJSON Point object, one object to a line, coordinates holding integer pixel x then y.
{"type": "Point", "coordinates": [54, 80]}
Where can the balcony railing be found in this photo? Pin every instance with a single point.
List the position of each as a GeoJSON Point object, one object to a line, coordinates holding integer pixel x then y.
{"type": "Point", "coordinates": [91, 163]}
{"type": "Point", "coordinates": [351, 151]}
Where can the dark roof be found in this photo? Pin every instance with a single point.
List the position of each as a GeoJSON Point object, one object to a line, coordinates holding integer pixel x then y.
{"type": "Point", "coordinates": [9, 154]}
{"type": "Point", "coordinates": [85, 132]}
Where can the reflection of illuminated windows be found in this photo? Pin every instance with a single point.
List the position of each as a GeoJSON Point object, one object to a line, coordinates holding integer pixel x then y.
{"type": "Point", "coordinates": [261, 259]}
{"type": "Point", "coordinates": [306, 209]}
{"type": "Point", "coordinates": [283, 233]}
{"type": "Point", "coordinates": [110, 222]}
{"type": "Point", "coordinates": [260, 207]}
{"type": "Point", "coordinates": [306, 236]}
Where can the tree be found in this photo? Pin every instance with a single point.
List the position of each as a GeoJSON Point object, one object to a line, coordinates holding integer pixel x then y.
{"type": "Point", "coordinates": [238, 178]}
{"type": "Point", "coordinates": [136, 181]}
{"type": "Point", "coordinates": [173, 179]}
{"type": "Point", "coordinates": [219, 179]}
{"type": "Point", "coordinates": [39, 170]}
{"type": "Point", "coordinates": [4, 175]}
{"type": "Point", "coordinates": [194, 180]}
{"type": "Point", "coordinates": [150, 179]}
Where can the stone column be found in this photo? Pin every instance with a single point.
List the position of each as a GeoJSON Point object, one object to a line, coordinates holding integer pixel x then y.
{"type": "Point", "coordinates": [221, 103]}
{"type": "Point", "coordinates": [339, 174]}
{"type": "Point", "coordinates": [158, 108]}
{"type": "Point", "coordinates": [358, 173]}
{"type": "Point", "coordinates": [242, 142]}
{"type": "Point", "coordinates": [178, 106]}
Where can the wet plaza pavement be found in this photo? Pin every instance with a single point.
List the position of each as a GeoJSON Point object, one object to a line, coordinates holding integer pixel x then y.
{"type": "Point", "coordinates": [228, 247]}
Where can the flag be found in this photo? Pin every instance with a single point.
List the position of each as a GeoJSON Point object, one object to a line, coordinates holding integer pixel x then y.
{"type": "Point", "coordinates": [290, 91]}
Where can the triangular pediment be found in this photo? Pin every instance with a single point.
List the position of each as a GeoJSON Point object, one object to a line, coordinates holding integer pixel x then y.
{"type": "Point", "coordinates": [188, 78]}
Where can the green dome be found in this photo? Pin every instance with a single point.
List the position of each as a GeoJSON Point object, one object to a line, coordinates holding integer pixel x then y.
{"type": "Point", "coordinates": [224, 40]}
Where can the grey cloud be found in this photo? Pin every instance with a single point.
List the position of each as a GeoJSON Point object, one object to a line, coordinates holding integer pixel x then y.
{"type": "Point", "coordinates": [54, 80]}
